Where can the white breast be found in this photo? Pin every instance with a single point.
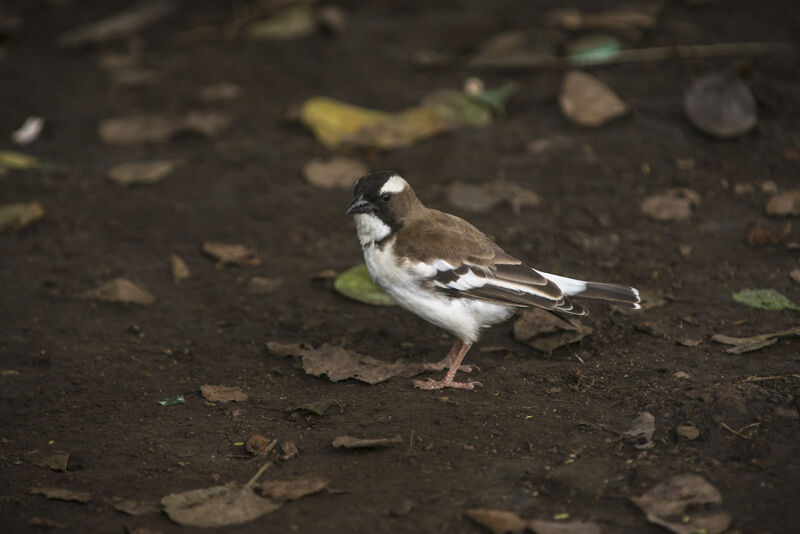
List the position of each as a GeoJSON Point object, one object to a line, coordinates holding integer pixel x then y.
{"type": "Point", "coordinates": [370, 228]}
{"type": "Point", "coordinates": [404, 281]}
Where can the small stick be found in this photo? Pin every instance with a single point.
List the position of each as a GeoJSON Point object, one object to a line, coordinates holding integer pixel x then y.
{"type": "Point", "coordinates": [739, 432]}
{"type": "Point", "coordinates": [263, 467]}
{"type": "Point", "coordinates": [411, 442]}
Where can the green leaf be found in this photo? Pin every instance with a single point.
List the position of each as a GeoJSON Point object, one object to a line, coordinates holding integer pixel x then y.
{"type": "Point", "coordinates": [496, 97]}
{"type": "Point", "coordinates": [19, 161]}
{"type": "Point", "coordinates": [356, 284]}
{"type": "Point", "coordinates": [171, 401]}
{"type": "Point", "coordinates": [593, 50]}
{"type": "Point", "coordinates": [764, 299]}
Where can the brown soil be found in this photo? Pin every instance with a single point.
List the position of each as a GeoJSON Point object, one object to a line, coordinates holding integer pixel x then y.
{"type": "Point", "coordinates": [90, 374]}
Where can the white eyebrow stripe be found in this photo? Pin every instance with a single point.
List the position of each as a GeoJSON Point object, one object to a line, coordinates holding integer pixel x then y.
{"type": "Point", "coordinates": [395, 184]}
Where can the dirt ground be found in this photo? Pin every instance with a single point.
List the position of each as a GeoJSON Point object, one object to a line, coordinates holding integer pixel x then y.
{"type": "Point", "coordinates": [541, 437]}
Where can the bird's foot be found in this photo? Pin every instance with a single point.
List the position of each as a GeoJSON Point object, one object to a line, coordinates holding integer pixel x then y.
{"type": "Point", "coordinates": [431, 384]}
{"type": "Point", "coordinates": [444, 364]}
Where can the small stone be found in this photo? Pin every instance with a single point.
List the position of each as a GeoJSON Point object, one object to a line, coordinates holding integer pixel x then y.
{"type": "Point", "coordinates": [402, 509]}
{"type": "Point", "coordinates": [689, 432]}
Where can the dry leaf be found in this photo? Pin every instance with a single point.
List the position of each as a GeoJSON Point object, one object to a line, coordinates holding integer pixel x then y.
{"type": "Point", "coordinates": [336, 173]}
{"type": "Point", "coordinates": [284, 350]}
{"type": "Point", "coordinates": [256, 444]}
{"type": "Point", "coordinates": [784, 204]}
{"type": "Point", "coordinates": [19, 215]}
{"type": "Point", "coordinates": [141, 172]}
{"type": "Point", "coordinates": [291, 490]}
{"type": "Point", "coordinates": [767, 233]}
{"type": "Point", "coordinates": [339, 364]}
{"type": "Point", "coordinates": [37, 521]}
{"type": "Point", "coordinates": [223, 394]}
{"type": "Point", "coordinates": [119, 290]}
{"type": "Point", "coordinates": [61, 494]}
{"type": "Point", "coordinates": [57, 461]}
{"type": "Point", "coordinates": [262, 286]}
{"type": "Point", "coordinates": [483, 197]}
{"type": "Point", "coordinates": [749, 344]}
{"type": "Point", "coordinates": [688, 432]}
{"type": "Point", "coordinates": [291, 22]}
{"type": "Point", "coordinates": [721, 104]}
{"type": "Point", "coordinates": [204, 122]}
{"type": "Point", "coordinates": [218, 506]}
{"type": "Point", "coordinates": [136, 129]}
{"type": "Point", "coordinates": [641, 431]}
{"type": "Point", "coordinates": [319, 407]}
{"type": "Point", "coordinates": [546, 332]}
{"type": "Point", "coordinates": [289, 450]}
{"type": "Point", "coordinates": [666, 505]}
{"type": "Point", "coordinates": [180, 271]}
{"type": "Point", "coordinates": [120, 25]}
{"type": "Point", "coordinates": [794, 274]}
{"type": "Point", "coordinates": [237, 254]}
{"type": "Point", "coordinates": [349, 442]}
{"type": "Point", "coordinates": [587, 101]}
{"type": "Point", "coordinates": [675, 204]}
{"type": "Point", "coordinates": [497, 521]}
{"type": "Point", "coordinates": [625, 20]}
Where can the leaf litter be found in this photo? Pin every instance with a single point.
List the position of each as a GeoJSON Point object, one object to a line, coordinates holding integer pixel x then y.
{"type": "Point", "coordinates": [141, 172]}
{"type": "Point", "coordinates": [19, 161]}
{"type": "Point", "coordinates": [141, 129]}
{"type": "Point", "coordinates": [57, 461]}
{"type": "Point", "coordinates": [740, 345]}
{"type": "Point", "coordinates": [61, 494]}
{"type": "Point", "coordinates": [587, 101]}
{"type": "Point", "coordinates": [764, 299]}
{"type": "Point", "coordinates": [119, 290]}
{"type": "Point", "coordinates": [681, 506]}
{"type": "Point", "coordinates": [226, 253]}
{"type": "Point", "coordinates": [223, 394]}
{"type": "Point", "coordinates": [120, 25]}
{"type": "Point", "coordinates": [508, 522]}
{"type": "Point", "coordinates": [340, 364]}
{"type": "Point", "coordinates": [178, 268]}
{"type": "Point", "coordinates": [641, 432]}
{"type": "Point", "coordinates": [291, 490]}
{"type": "Point", "coordinates": [784, 204]}
{"type": "Point", "coordinates": [481, 198]}
{"type": "Point", "coordinates": [355, 283]}
{"type": "Point", "coordinates": [217, 506]}
{"type": "Point", "coordinates": [335, 173]}
{"type": "Point", "coordinates": [18, 215]}
{"type": "Point", "coordinates": [546, 332]}
{"type": "Point", "coordinates": [674, 205]}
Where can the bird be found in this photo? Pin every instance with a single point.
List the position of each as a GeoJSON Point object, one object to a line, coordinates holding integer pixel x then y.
{"type": "Point", "coordinates": [446, 271]}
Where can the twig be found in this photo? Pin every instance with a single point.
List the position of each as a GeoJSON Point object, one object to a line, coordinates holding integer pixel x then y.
{"type": "Point", "coordinates": [263, 467]}
{"type": "Point", "coordinates": [739, 432]}
{"type": "Point", "coordinates": [773, 377]}
{"type": "Point", "coordinates": [411, 442]}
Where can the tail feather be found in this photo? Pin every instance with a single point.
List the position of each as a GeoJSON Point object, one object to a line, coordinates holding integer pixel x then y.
{"type": "Point", "coordinates": [613, 293]}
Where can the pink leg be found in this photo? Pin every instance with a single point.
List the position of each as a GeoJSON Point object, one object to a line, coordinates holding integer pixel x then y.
{"type": "Point", "coordinates": [447, 381]}
{"type": "Point", "coordinates": [448, 360]}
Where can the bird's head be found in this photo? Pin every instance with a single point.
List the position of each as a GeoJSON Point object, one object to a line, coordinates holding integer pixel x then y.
{"type": "Point", "coordinates": [382, 202]}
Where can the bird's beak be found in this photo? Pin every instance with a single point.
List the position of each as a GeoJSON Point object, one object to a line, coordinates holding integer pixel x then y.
{"type": "Point", "coordinates": [359, 205]}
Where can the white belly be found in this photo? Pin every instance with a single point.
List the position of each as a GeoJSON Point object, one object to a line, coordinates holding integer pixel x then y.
{"type": "Point", "coordinates": [462, 317]}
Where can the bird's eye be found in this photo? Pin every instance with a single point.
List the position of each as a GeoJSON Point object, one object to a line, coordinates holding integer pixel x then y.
{"type": "Point", "coordinates": [386, 197]}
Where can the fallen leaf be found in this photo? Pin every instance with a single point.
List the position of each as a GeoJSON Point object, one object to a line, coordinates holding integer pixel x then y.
{"type": "Point", "coordinates": [666, 505]}
{"type": "Point", "coordinates": [260, 285]}
{"type": "Point", "coordinates": [721, 104]}
{"type": "Point", "coordinates": [764, 299]}
{"type": "Point", "coordinates": [256, 444]}
{"type": "Point", "coordinates": [483, 197]}
{"type": "Point", "coordinates": [764, 233]}
{"type": "Point", "coordinates": [741, 345]}
{"type": "Point", "coordinates": [136, 129]}
{"type": "Point", "coordinates": [57, 461]}
{"type": "Point", "coordinates": [292, 22]}
{"type": "Point", "coordinates": [141, 172]}
{"type": "Point", "coordinates": [223, 394]}
{"type": "Point", "coordinates": [29, 131]}
{"type": "Point", "coordinates": [339, 364]}
{"type": "Point", "coordinates": [220, 91]}
{"type": "Point", "coordinates": [172, 401]}
{"type": "Point", "coordinates": [291, 490]}
{"type": "Point", "coordinates": [511, 49]}
{"type": "Point", "coordinates": [332, 18]}
{"type": "Point", "coordinates": [61, 494]}
{"type": "Point", "coordinates": [289, 450]}
{"type": "Point", "coordinates": [587, 101]}
{"type": "Point", "coordinates": [794, 274]}
{"type": "Point", "coordinates": [119, 290]}
{"type": "Point", "coordinates": [18, 161]}
{"type": "Point", "coordinates": [232, 254]}
{"type": "Point", "coordinates": [497, 521]}
{"type": "Point", "coordinates": [546, 332]}
{"type": "Point", "coordinates": [218, 506]}
{"type": "Point", "coordinates": [9, 372]}
{"type": "Point", "coordinates": [564, 527]}
{"type": "Point", "coordinates": [318, 407]}
{"type": "Point", "coordinates": [19, 215]}
{"type": "Point", "coordinates": [553, 143]}
{"type": "Point", "coordinates": [355, 283]}
{"type": "Point", "coordinates": [641, 431]}
{"type": "Point", "coordinates": [336, 173]}
{"type": "Point", "coordinates": [784, 204]}
{"type": "Point", "coordinates": [593, 50]}
{"type": "Point", "coordinates": [687, 342]}
{"type": "Point", "coordinates": [689, 432]}
{"type": "Point", "coordinates": [284, 350]}
{"type": "Point", "coordinates": [349, 442]}
{"type": "Point", "coordinates": [628, 20]}
{"type": "Point", "coordinates": [139, 129]}
{"type": "Point", "coordinates": [333, 121]}
{"type": "Point", "coordinates": [180, 271]}
{"type": "Point", "coordinates": [136, 508]}
{"type": "Point", "coordinates": [121, 25]}
{"type": "Point", "coordinates": [674, 205]}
